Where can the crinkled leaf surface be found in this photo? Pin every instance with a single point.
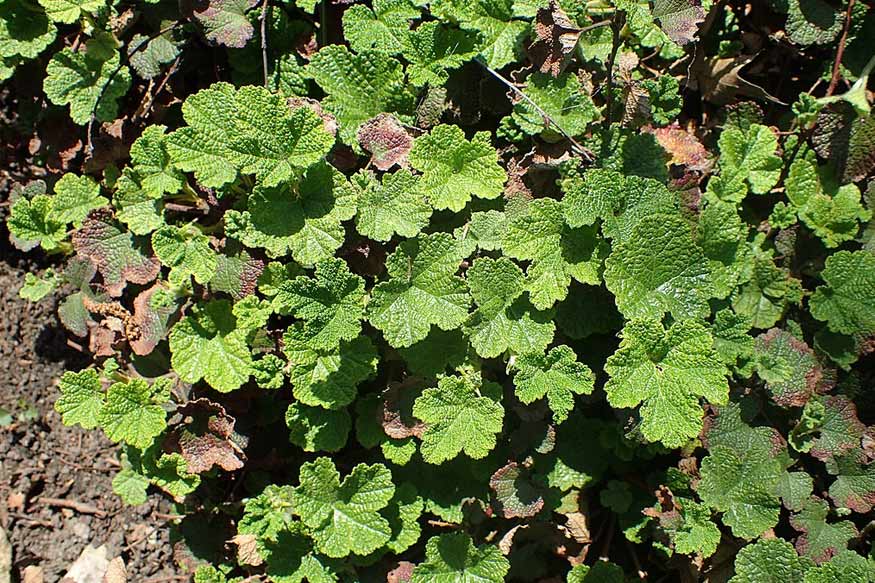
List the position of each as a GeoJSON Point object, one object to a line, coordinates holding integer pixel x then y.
{"type": "Point", "coordinates": [666, 371]}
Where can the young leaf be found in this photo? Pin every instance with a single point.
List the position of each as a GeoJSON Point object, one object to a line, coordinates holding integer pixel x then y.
{"type": "Point", "coordinates": [81, 398]}
{"type": "Point", "coordinates": [666, 371]}
{"type": "Point", "coordinates": [847, 301]}
{"type": "Point", "coordinates": [328, 377]}
{"type": "Point", "coordinates": [769, 560]}
{"type": "Point", "coordinates": [433, 49]}
{"type": "Point", "coordinates": [453, 557]}
{"type": "Point", "coordinates": [332, 303]}
{"type": "Point", "coordinates": [459, 418]}
{"type": "Point", "coordinates": [31, 223]}
{"type": "Point", "coordinates": [317, 429]}
{"type": "Point", "coordinates": [422, 290]}
{"type": "Point", "coordinates": [152, 163]}
{"type": "Point", "coordinates": [132, 412]}
{"type": "Point", "coordinates": [75, 196]}
{"type": "Point", "coordinates": [397, 205]}
{"type": "Point", "coordinates": [660, 269]}
{"type": "Point", "coordinates": [557, 376]}
{"type": "Point", "coordinates": [455, 169]}
{"type": "Point", "coordinates": [504, 319]}
{"type": "Point", "coordinates": [383, 28]}
{"type": "Point", "coordinates": [344, 517]}
{"type": "Point", "coordinates": [209, 345]}
{"type": "Point", "coordinates": [558, 252]}
{"type": "Point", "coordinates": [187, 252]}
{"type": "Point", "coordinates": [501, 33]}
{"type": "Point", "coordinates": [301, 218]}
{"type": "Point", "coordinates": [24, 32]}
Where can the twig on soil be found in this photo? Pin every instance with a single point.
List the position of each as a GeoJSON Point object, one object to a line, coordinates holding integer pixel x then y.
{"type": "Point", "coordinates": [31, 521]}
{"type": "Point", "coordinates": [80, 507]}
{"type": "Point", "coordinates": [583, 152]}
{"type": "Point", "coordinates": [840, 51]}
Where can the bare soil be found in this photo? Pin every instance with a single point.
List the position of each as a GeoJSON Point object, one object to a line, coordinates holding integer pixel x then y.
{"type": "Point", "coordinates": [55, 481]}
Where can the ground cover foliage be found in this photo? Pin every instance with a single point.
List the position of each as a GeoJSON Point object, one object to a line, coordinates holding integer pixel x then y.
{"type": "Point", "coordinates": [465, 291]}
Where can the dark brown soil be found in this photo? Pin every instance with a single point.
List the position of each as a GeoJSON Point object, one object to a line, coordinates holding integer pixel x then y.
{"type": "Point", "coordinates": [42, 459]}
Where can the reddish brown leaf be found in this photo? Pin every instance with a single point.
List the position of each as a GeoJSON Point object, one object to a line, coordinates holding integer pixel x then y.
{"type": "Point", "coordinates": [112, 251]}
{"type": "Point", "coordinates": [685, 149]}
{"type": "Point", "coordinates": [204, 438]}
{"type": "Point", "coordinates": [557, 37]}
{"type": "Point", "coordinates": [396, 412]}
{"type": "Point", "coordinates": [515, 495]}
{"type": "Point", "coordinates": [386, 140]}
{"type": "Point", "coordinates": [152, 320]}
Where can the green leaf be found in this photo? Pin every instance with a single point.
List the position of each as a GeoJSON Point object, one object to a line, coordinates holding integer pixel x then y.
{"type": "Point", "coordinates": [747, 160]}
{"type": "Point", "coordinates": [439, 351]}
{"type": "Point", "coordinates": [208, 345]}
{"type": "Point", "coordinates": [344, 516]}
{"type": "Point", "coordinates": [845, 567]}
{"type": "Point", "coordinates": [562, 98]}
{"type": "Point", "coordinates": [395, 205]}
{"type": "Point", "coordinates": [81, 398]}
{"type": "Point", "coordinates": [129, 484]}
{"type": "Point", "coordinates": [557, 252]}
{"type": "Point", "coordinates": [769, 561]}
{"type": "Point", "coordinates": [69, 11]}
{"type": "Point", "coordinates": [187, 252]}
{"type": "Point", "coordinates": [453, 558]}
{"type": "Point", "coordinates": [501, 34]}
{"type": "Point", "coordinates": [455, 169]}
{"type": "Point", "coordinates": [820, 539]}
{"type": "Point", "coordinates": [140, 211]}
{"type": "Point", "coordinates": [403, 513]}
{"type": "Point", "coordinates": [328, 377]}
{"type": "Point", "coordinates": [732, 342]}
{"type": "Point", "coordinates": [839, 431]}
{"type": "Point", "coordinates": [132, 412]}
{"type": "Point", "coordinates": [86, 84]}
{"type": "Point", "coordinates": [847, 301]}
{"type": "Point", "coordinates": [317, 429]}
{"type": "Point", "coordinates": [557, 376]}
{"type": "Point", "coordinates": [433, 49]}
{"type": "Point", "coordinates": [591, 195]}
{"type": "Point", "coordinates": [301, 218]}
{"type": "Point", "coordinates": [75, 196]}
{"type": "Point", "coordinates": [600, 572]}
{"type": "Point", "coordinates": [24, 32]}
{"type": "Point", "coordinates": [383, 28]}
{"type": "Point", "coordinates": [422, 291]}
{"type": "Point", "coordinates": [660, 269]}
{"type": "Point", "coordinates": [152, 164]}
{"type": "Point", "coordinates": [504, 319]}
{"type": "Point", "coordinates": [247, 131]}
{"type": "Point", "coordinates": [742, 473]}
{"type": "Point", "coordinates": [359, 86]}
{"type": "Point", "coordinates": [722, 234]}
{"type": "Point", "coordinates": [666, 372]}
{"type": "Point", "coordinates": [770, 290]}
{"type": "Point", "coordinates": [459, 418]}
{"type": "Point", "coordinates": [332, 302]}
{"type": "Point", "coordinates": [813, 22]}
{"type": "Point", "coordinates": [832, 212]}
{"type": "Point", "coordinates": [32, 223]}
{"type": "Point", "coordinates": [35, 288]}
